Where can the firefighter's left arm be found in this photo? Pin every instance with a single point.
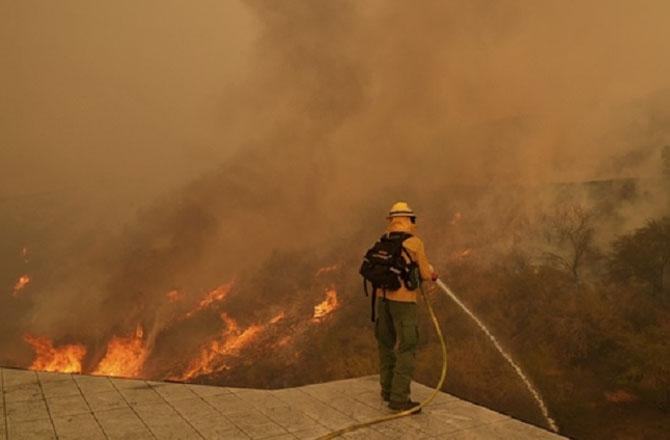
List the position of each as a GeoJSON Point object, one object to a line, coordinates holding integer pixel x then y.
{"type": "Point", "coordinates": [415, 246]}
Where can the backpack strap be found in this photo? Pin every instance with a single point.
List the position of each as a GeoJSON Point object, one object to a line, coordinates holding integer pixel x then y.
{"type": "Point", "coordinates": [408, 267]}
{"type": "Point", "coordinates": [403, 236]}
{"type": "Point", "coordinates": [406, 252]}
{"type": "Point", "coordinates": [373, 298]}
{"type": "Point", "coordinates": [373, 303]}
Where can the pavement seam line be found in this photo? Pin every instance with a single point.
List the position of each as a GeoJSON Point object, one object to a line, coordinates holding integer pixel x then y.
{"type": "Point", "coordinates": [260, 410]}
{"type": "Point", "coordinates": [89, 407]}
{"type": "Point", "coordinates": [46, 403]}
{"type": "Point", "coordinates": [332, 408]}
{"type": "Point", "coordinates": [236, 425]}
{"type": "Point", "coordinates": [131, 408]}
{"type": "Point", "coordinates": [4, 402]}
{"type": "Point", "coordinates": [329, 406]}
{"type": "Point", "coordinates": [222, 414]}
{"type": "Point", "coordinates": [304, 413]}
{"type": "Point", "coordinates": [177, 411]}
{"type": "Point", "coordinates": [296, 409]}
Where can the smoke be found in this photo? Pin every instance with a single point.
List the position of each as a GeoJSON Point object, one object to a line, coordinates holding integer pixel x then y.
{"type": "Point", "coordinates": [298, 123]}
{"type": "Point", "coordinates": [124, 96]}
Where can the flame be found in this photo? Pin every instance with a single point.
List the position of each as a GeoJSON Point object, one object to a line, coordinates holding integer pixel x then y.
{"type": "Point", "coordinates": [230, 343]}
{"type": "Point", "coordinates": [64, 359]}
{"type": "Point", "coordinates": [233, 346]}
{"type": "Point", "coordinates": [21, 284]}
{"type": "Point", "coordinates": [215, 295]}
{"type": "Point", "coordinates": [231, 324]}
{"type": "Point", "coordinates": [326, 269]}
{"type": "Point", "coordinates": [125, 356]}
{"type": "Point", "coordinates": [174, 296]}
{"type": "Point", "coordinates": [278, 318]}
{"type": "Point", "coordinates": [326, 307]}
{"type": "Point", "coordinates": [210, 298]}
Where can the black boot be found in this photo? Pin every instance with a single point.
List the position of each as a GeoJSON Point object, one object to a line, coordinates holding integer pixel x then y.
{"type": "Point", "coordinates": [405, 406]}
{"type": "Point", "coordinates": [386, 396]}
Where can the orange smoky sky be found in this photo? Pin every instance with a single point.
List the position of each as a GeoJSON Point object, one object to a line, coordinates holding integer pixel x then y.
{"type": "Point", "coordinates": [136, 98]}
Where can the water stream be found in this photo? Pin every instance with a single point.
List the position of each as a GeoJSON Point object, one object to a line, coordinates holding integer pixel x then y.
{"type": "Point", "coordinates": [533, 391]}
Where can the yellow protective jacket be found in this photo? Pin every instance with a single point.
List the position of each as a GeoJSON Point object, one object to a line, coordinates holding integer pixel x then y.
{"type": "Point", "coordinates": [415, 248]}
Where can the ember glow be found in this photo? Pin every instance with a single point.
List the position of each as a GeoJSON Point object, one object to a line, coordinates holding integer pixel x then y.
{"type": "Point", "coordinates": [20, 285]}
{"type": "Point", "coordinates": [620, 396]}
{"type": "Point", "coordinates": [277, 318]}
{"type": "Point", "coordinates": [216, 295]}
{"type": "Point", "coordinates": [465, 253]}
{"type": "Point", "coordinates": [64, 359]}
{"type": "Point", "coordinates": [125, 356]}
{"type": "Point", "coordinates": [284, 341]}
{"type": "Point", "coordinates": [328, 306]}
{"type": "Point", "coordinates": [461, 254]}
{"type": "Point", "coordinates": [174, 296]}
{"type": "Point", "coordinates": [326, 269]}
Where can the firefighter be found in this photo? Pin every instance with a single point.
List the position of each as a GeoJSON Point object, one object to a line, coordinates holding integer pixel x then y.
{"type": "Point", "coordinates": [396, 327]}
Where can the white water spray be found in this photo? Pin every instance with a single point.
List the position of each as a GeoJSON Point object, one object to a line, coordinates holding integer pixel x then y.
{"type": "Point", "coordinates": [508, 358]}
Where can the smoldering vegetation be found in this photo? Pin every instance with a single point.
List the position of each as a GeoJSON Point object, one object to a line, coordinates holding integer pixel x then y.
{"type": "Point", "coordinates": [532, 141]}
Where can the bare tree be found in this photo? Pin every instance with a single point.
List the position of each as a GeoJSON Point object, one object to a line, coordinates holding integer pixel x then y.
{"type": "Point", "coordinates": [569, 232]}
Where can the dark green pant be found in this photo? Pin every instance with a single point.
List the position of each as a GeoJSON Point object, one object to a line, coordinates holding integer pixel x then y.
{"type": "Point", "coordinates": [397, 337]}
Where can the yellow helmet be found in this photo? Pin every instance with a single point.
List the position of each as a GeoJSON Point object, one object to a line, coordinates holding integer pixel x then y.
{"type": "Point", "coordinates": [401, 209]}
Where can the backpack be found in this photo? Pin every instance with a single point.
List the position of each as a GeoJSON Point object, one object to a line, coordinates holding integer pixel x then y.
{"type": "Point", "coordinates": [384, 266]}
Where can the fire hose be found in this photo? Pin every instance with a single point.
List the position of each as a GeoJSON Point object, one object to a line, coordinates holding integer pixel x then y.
{"type": "Point", "coordinates": [416, 409]}
{"type": "Point", "coordinates": [534, 393]}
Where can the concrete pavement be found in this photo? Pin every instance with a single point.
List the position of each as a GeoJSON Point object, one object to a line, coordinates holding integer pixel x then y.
{"type": "Point", "coordinates": [71, 406]}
